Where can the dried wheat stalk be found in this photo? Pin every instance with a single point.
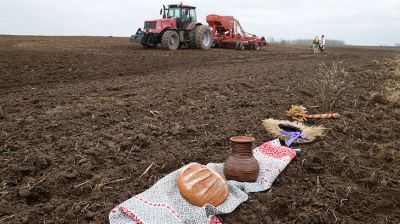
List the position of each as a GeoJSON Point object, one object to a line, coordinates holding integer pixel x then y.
{"type": "Point", "coordinates": [299, 113]}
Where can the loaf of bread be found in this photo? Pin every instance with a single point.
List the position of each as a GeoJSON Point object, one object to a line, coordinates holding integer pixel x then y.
{"type": "Point", "coordinates": [200, 185]}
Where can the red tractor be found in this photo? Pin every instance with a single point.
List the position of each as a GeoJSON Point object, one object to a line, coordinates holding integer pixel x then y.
{"type": "Point", "coordinates": [228, 33]}
{"type": "Point", "coordinates": [177, 28]}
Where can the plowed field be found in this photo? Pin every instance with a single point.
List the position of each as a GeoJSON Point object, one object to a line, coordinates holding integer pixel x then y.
{"type": "Point", "coordinates": [83, 117]}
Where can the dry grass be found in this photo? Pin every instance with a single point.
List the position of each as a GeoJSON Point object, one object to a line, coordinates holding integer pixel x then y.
{"type": "Point", "coordinates": [331, 81]}
{"type": "Point", "coordinates": [392, 86]}
{"type": "Point", "coordinates": [392, 92]}
{"type": "Point", "coordinates": [106, 181]}
{"type": "Point", "coordinates": [396, 65]}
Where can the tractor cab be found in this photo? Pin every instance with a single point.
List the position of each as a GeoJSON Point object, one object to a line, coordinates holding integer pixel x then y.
{"type": "Point", "coordinates": [183, 14]}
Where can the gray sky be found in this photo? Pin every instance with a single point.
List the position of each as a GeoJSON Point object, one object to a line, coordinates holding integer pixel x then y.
{"type": "Point", "coordinates": [361, 22]}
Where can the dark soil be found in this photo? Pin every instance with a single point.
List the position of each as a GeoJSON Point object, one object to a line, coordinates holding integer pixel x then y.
{"type": "Point", "coordinates": [83, 117]}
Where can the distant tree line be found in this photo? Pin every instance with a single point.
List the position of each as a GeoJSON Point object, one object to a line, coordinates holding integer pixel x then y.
{"type": "Point", "coordinates": [397, 45]}
{"type": "Point", "coordinates": [330, 42]}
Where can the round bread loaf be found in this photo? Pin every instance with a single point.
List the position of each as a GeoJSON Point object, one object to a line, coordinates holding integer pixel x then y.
{"type": "Point", "coordinates": [200, 185]}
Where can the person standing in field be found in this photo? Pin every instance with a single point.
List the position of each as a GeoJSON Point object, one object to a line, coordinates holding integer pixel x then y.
{"type": "Point", "coordinates": [322, 44]}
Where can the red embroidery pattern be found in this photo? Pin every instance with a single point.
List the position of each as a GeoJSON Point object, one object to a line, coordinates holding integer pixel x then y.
{"type": "Point", "coordinates": [162, 205]}
{"type": "Point", "coordinates": [214, 220]}
{"type": "Point", "coordinates": [259, 156]}
{"type": "Point", "coordinates": [130, 214]}
{"type": "Point", "coordinates": [277, 151]}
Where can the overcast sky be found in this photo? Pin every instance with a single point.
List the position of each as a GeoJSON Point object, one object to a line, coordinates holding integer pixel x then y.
{"type": "Point", "coordinates": [361, 22]}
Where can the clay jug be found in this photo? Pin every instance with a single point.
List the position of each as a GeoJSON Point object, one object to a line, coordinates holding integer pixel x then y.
{"type": "Point", "coordinates": [241, 165]}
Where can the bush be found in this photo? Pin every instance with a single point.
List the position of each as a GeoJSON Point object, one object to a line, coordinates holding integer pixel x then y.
{"type": "Point", "coordinates": [392, 85]}
{"type": "Point", "coordinates": [331, 80]}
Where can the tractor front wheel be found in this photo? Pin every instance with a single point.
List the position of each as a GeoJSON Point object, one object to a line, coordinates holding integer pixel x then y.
{"type": "Point", "coordinates": [202, 38]}
{"type": "Point", "coordinates": [170, 40]}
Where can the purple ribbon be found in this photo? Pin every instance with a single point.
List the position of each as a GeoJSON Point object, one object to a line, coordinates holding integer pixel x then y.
{"type": "Point", "coordinates": [293, 136]}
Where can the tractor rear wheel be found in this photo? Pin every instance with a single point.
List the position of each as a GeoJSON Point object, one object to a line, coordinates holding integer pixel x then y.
{"type": "Point", "coordinates": [239, 46]}
{"type": "Point", "coordinates": [255, 47]}
{"type": "Point", "coordinates": [202, 38]}
{"type": "Point", "coordinates": [192, 37]}
{"type": "Point", "coordinates": [170, 40]}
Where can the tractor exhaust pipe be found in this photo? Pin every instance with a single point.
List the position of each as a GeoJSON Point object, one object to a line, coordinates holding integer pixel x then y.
{"type": "Point", "coordinates": [164, 14]}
